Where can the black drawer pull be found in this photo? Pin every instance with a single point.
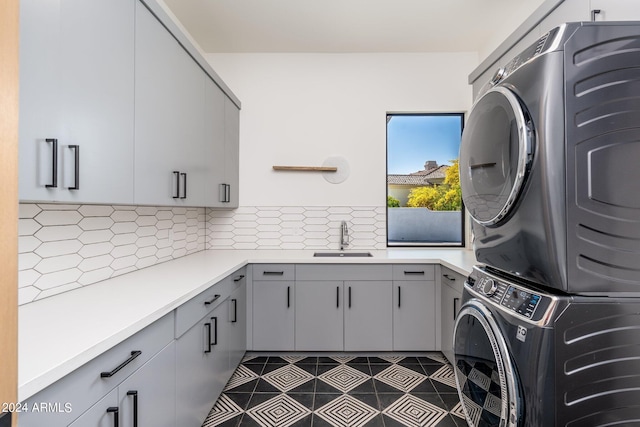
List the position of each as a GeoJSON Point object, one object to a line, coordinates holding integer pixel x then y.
{"type": "Point", "coordinates": [116, 415]}
{"type": "Point", "coordinates": [349, 296]}
{"type": "Point", "coordinates": [446, 276]}
{"type": "Point", "coordinates": [399, 297]}
{"type": "Point", "coordinates": [455, 308]}
{"type": "Point", "coordinates": [54, 163]}
{"type": "Point", "coordinates": [416, 273]}
{"type": "Point", "coordinates": [235, 310]}
{"type": "Point", "coordinates": [239, 278]}
{"type": "Point", "coordinates": [134, 393]}
{"type": "Point", "coordinates": [212, 300]}
{"type": "Point", "coordinates": [215, 330]}
{"type": "Point", "coordinates": [338, 296]}
{"type": "Point", "coordinates": [207, 343]}
{"type": "Point", "coordinates": [134, 354]}
{"type": "Point", "coordinates": [273, 273]}
{"type": "Point", "coordinates": [184, 185]}
{"type": "Point", "coordinates": [177, 174]}
{"type": "Point", "coordinates": [288, 296]}
{"type": "Point", "coordinates": [76, 168]}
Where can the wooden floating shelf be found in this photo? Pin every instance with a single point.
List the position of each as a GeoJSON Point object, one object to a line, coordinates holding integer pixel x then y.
{"type": "Point", "coordinates": [306, 168]}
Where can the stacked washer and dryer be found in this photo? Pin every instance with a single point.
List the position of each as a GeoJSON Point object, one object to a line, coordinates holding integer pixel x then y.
{"type": "Point", "coordinates": [549, 330]}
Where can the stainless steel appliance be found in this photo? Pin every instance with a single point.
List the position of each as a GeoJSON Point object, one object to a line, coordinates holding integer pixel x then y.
{"type": "Point", "coordinates": [528, 358]}
{"type": "Point", "coordinates": [549, 162]}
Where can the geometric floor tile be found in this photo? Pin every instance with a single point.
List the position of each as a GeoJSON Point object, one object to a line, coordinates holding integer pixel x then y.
{"type": "Point", "coordinates": [392, 359]}
{"type": "Point", "coordinates": [293, 359]}
{"type": "Point", "coordinates": [287, 377]}
{"type": "Point", "coordinates": [457, 411]}
{"type": "Point", "coordinates": [344, 378]}
{"type": "Point", "coordinates": [223, 410]}
{"type": "Point", "coordinates": [248, 358]}
{"type": "Point", "coordinates": [242, 375]}
{"type": "Point", "coordinates": [438, 358]}
{"type": "Point", "coordinates": [473, 410]}
{"type": "Point", "coordinates": [400, 377]}
{"type": "Point", "coordinates": [280, 411]}
{"type": "Point", "coordinates": [343, 359]}
{"type": "Point", "coordinates": [346, 411]}
{"type": "Point", "coordinates": [414, 412]}
{"type": "Point", "coordinates": [444, 375]}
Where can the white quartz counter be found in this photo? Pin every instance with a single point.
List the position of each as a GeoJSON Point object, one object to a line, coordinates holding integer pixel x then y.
{"type": "Point", "coordinates": [59, 334]}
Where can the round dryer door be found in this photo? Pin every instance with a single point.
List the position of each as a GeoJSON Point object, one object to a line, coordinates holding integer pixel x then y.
{"type": "Point", "coordinates": [484, 373]}
{"type": "Point", "coordinates": [495, 155]}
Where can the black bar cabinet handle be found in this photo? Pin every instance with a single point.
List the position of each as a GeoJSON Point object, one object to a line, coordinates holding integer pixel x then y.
{"type": "Point", "coordinates": [399, 296]}
{"type": "Point", "coordinates": [288, 296]}
{"type": "Point", "coordinates": [417, 273]}
{"type": "Point", "coordinates": [222, 193]}
{"type": "Point", "coordinates": [212, 300]}
{"type": "Point", "coordinates": [215, 330]}
{"type": "Point", "coordinates": [134, 393]}
{"type": "Point", "coordinates": [184, 185]}
{"type": "Point", "coordinates": [134, 354]}
{"type": "Point", "coordinates": [54, 163]}
{"type": "Point", "coordinates": [177, 175]}
{"type": "Point", "coordinates": [594, 12]}
{"type": "Point", "coordinates": [349, 296]}
{"type": "Point", "coordinates": [116, 415]}
{"type": "Point", "coordinates": [239, 278]}
{"type": "Point", "coordinates": [227, 193]}
{"type": "Point", "coordinates": [455, 308]}
{"type": "Point", "coordinates": [338, 296]}
{"type": "Point", "coordinates": [76, 168]}
{"type": "Point", "coordinates": [446, 276]}
{"type": "Point", "coordinates": [235, 310]}
{"type": "Point", "coordinates": [273, 273]}
{"type": "Point", "coordinates": [207, 344]}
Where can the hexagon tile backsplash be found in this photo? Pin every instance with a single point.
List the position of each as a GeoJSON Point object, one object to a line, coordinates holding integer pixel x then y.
{"type": "Point", "coordinates": [64, 247]}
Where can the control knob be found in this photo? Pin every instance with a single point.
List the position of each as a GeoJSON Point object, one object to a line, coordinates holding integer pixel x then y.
{"type": "Point", "coordinates": [489, 287]}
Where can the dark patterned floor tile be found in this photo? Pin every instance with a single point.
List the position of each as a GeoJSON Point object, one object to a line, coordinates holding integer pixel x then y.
{"type": "Point", "coordinates": [387, 399]}
{"type": "Point", "coordinates": [264, 386]}
{"type": "Point", "coordinates": [259, 360]}
{"type": "Point", "coordinates": [359, 361]}
{"type": "Point", "coordinates": [362, 367]}
{"type": "Point", "coordinates": [450, 400]}
{"type": "Point", "coordinates": [376, 368]}
{"type": "Point", "coordinates": [307, 361]}
{"type": "Point", "coordinates": [447, 421]}
{"type": "Point", "coordinates": [409, 361]}
{"type": "Point", "coordinates": [248, 387]}
{"type": "Point", "coordinates": [240, 399]}
{"type": "Point", "coordinates": [431, 369]}
{"type": "Point", "coordinates": [277, 360]}
{"type": "Point", "coordinates": [379, 361]}
{"type": "Point", "coordinates": [354, 410]}
{"type": "Point", "coordinates": [247, 421]}
{"type": "Point", "coordinates": [366, 387]}
{"type": "Point", "coordinates": [415, 367]}
{"type": "Point", "coordinates": [233, 422]}
{"type": "Point", "coordinates": [324, 360]}
{"type": "Point", "coordinates": [442, 388]}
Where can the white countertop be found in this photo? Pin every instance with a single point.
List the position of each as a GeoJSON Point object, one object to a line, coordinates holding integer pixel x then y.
{"type": "Point", "coordinates": [59, 334]}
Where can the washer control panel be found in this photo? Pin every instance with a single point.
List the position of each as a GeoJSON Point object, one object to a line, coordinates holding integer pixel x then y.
{"type": "Point", "coordinates": [514, 298]}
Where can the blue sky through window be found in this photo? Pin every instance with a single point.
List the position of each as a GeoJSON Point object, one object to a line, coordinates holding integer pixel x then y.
{"type": "Point", "coordinates": [414, 139]}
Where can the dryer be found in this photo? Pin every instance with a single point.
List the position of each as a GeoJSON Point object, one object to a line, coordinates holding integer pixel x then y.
{"type": "Point", "coordinates": [526, 358]}
{"type": "Point", "coordinates": [549, 162]}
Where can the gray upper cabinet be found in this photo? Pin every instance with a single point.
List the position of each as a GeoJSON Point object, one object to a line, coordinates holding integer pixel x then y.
{"type": "Point", "coordinates": [231, 182]}
{"type": "Point", "coordinates": [169, 118]}
{"type": "Point", "coordinates": [215, 142]}
{"type": "Point", "coordinates": [76, 97]}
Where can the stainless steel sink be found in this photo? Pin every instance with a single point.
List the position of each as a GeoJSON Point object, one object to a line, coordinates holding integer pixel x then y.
{"type": "Point", "coordinates": [343, 254]}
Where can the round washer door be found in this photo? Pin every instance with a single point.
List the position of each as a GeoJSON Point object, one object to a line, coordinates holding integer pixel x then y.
{"type": "Point", "coordinates": [485, 376]}
{"type": "Point", "coordinates": [495, 155]}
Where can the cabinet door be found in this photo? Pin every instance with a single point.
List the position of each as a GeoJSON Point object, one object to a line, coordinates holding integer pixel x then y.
{"type": "Point", "coordinates": [414, 318]}
{"type": "Point", "coordinates": [102, 414]}
{"type": "Point", "coordinates": [273, 315]}
{"type": "Point", "coordinates": [215, 144]}
{"type": "Point", "coordinates": [237, 333]}
{"type": "Point", "coordinates": [196, 383]}
{"type": "Point", "coordinates": [368, 320]}
{"type": "Point", "coordinates": [76, 86]}
{"type": "Point", "coordinates": [319, 316]}
{"type": "Point", "coordinates": [169, 118]}
{"type": "Point", "coordinates": [232, 151]}
{"type": "Point", "coordinates": [147, 397]}
{"type": "Point", "coordinates": [616, 10]}
{"type": "Point", "coordinates": [451, 299]}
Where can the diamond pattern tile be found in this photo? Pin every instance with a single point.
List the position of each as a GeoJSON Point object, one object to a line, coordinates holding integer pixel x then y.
{"type": "Point", "coordinates": [414, 412]}
{"type": "Point", "coordinates": [402, 378]}
{"type": "Point", "coordinates": [287, 377]}
{"type": "Point", "coordinates": [281, 411]}
{"type": "Point", "coordinates": [346, 411]}
{"type": "Point", "coordinates": [444, 375]}
{"type": "Point", "coordinates": [224, 410]}
{"type": "Point", "coordinates": [242, 375]}
{"type": "Point", "coordinates": [344, 378]}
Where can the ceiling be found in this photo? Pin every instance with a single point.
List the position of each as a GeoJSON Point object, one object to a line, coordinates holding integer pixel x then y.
{"type": "Point", "coordinates": [350, 25]}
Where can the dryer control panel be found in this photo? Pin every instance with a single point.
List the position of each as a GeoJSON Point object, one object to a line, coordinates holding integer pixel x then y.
{"type": "Point", "coordinates": [514, 298]}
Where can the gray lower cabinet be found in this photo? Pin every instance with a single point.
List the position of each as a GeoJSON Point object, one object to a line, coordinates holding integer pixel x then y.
{"type": "Point", "coordinates": [102, 414]}
{"type": "Point", "coordinates": [451, 297]}
{"type": "Point", "coordinates": [273, 315]}
{"type": "Point", "coordinates": [147, 398]}
{"type": "Point", "coordinates": [319, 323]}
{"type": "Point", "coordinates": [414, 315]}
{"type": "Point", "coordinates": [201, 362]}
{"type": "Point", "coordinates": [237, 319]}
{"type": "Point", "coordinates": [337, 316]}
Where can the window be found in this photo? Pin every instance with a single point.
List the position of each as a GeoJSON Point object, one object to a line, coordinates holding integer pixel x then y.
{"type": "Point", "coordinates": [424, 202]}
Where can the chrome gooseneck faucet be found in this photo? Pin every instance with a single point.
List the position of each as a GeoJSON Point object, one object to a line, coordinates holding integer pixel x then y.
{"type": "Point", "coordinates": [344, 235]}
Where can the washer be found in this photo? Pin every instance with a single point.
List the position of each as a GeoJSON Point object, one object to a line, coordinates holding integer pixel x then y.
{"type": "Point", "coordinates": [549, 162]}
{"type": "Point", "coordinates": [527, 358]}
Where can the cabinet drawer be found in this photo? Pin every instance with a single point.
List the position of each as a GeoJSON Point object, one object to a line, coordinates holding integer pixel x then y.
{"type": "Point", "coordinates": [189, 313]}
{"type": "Point", "coordinates": [413, 272]}
{"type": "Point", "coordinates": [85, 386]}
{"type": "Point", "coordinates": [343, 272]}
{"type": "Point", "coordinates": [452, 279]}
{"type": "Point", "coordinates": [273, 272]}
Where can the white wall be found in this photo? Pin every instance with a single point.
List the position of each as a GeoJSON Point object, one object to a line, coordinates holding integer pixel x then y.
{"type": "Point", "coordinates": [299, 109]}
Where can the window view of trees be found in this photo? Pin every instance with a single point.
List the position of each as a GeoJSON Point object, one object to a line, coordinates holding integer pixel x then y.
{"type": "Point", "coordinates": [424, 200]}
